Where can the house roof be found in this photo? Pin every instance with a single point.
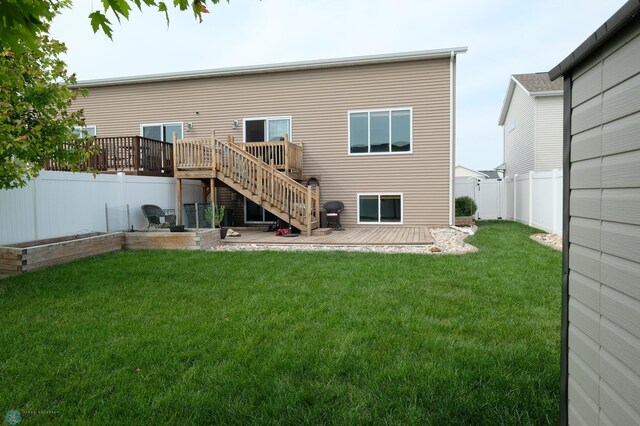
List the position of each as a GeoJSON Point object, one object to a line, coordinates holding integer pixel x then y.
{"type": "Point", "coordinates": [270, 68]}
{"type": "Point", "coordinates": [472, 171]}
{"type": "Point", "coordinates": [538, 82]}
{"type": "Point", "coordinates": [533, 84]}
{"type": "Point", "coordinates": [491, 174]}
{"type": "Point", "coordinates": [618, 20]}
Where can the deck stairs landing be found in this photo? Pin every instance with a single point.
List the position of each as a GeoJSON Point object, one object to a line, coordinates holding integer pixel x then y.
{"type": "Point", "coordinates": [250, 176]}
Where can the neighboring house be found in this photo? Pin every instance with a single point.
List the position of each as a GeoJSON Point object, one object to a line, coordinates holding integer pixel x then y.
{"type": "Point", "coordinates": [600, 369]}
{"type": "Point", "coordinates": [378, 133]}
{"type": "Point", "coordinates": [462, 171]}
{"type": "Point", "coordinates": [531, 119]}
{"type": "Point", "coordinates": [491, 174]}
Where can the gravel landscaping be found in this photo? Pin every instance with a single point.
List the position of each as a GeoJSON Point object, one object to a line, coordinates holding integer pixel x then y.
{"type": "Point", "coordinates": [550, 240]}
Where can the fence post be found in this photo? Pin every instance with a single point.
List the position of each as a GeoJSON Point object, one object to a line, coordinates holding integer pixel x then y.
{"type": "Point", "coordinates": [197, 217]}
{"type": "Point", "coordinates": [106, 216]}
{"type": "Point", "coordinates": [530, 197]}
{"type": "Point", "coordinates": [515, 199]}
{"type": "Point", "coordinates": [35, 209]}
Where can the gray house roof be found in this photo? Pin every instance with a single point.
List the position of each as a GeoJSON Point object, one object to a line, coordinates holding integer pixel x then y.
{"type": "Point", "coordinates": [533, 84]}
{"type": "Point", "coordinates": [491, 174]}
{"type": "Point", "coordinates": [538, 82]}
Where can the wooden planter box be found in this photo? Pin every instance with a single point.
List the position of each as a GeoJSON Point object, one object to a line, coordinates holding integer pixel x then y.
{"type": "Point", "coordinates": [465, 220]}
{"type": "Point", "coordinates": [203, 239]}
{"type": "Point", "coordinates": [23, 257]}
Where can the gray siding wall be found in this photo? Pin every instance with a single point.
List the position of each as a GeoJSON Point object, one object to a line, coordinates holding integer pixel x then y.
{"type": "Point", "coordinates": [318, 101]}
{"type": "Point", "coordinates": [604, 242]}
{"type": "Point", "coordinates": [548, 133]}
{"type": "Point", "coordinates": [519, 142]}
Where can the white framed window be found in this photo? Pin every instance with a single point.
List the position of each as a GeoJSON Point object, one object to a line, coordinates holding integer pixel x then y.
{"type": "Point", "coordinates": [264, 129]}
{"type": "Point", "coordinates": [86, 131]}
{"type": "Point", "coordinates": [161, 131]}
{"type": "Point", "coordinates": [380, 208]}
{"type": "Point", "coordinates": [380, 131]}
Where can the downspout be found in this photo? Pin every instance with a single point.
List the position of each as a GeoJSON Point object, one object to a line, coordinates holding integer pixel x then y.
{"type": "Point", "coordinates": [452, 137]}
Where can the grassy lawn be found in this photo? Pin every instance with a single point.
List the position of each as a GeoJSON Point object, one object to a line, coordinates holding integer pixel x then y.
{"type": "Point", "coordinates": [161, 337]}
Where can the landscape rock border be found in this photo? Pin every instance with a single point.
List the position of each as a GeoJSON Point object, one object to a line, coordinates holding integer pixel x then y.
{"type": "Point", "coordinates": [550, 240]}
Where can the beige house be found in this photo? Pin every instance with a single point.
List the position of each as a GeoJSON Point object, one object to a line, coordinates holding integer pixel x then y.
{"type": "Point", "coordinates": [375, 132]}
{"type": "Point", "coordinates": [531, 119]}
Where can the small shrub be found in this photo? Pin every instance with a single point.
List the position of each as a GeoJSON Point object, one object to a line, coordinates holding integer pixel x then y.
{"type": "Point", "coordinates": [465, 206]}
{"type": "Point", "coordinates": [217, 218]}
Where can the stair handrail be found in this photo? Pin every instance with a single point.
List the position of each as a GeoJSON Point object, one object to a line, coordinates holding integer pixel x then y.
{"type": "Point", "coordinates": [270, 184]}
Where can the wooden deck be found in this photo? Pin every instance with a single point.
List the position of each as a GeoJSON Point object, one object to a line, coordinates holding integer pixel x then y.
{"type": "Point", "coordinates": [360, 236]}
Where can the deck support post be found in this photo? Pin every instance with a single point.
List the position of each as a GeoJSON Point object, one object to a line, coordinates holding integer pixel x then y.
{"type": "Point", "coordinates": [179, 206]}
{"type": "Point", "coordinates": [308, 211]}
{"type": "Point", "coordinates": [214, 192]}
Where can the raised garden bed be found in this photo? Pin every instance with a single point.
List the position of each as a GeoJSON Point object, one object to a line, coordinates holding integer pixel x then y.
{"type": "Point", "coordinates": [202, 239]}
{"type": "Point", "coordinates": [465, 220]}
{"type": "Point", "coordinates": [31, 255]}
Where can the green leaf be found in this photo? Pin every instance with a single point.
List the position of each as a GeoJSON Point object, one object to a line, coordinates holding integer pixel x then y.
{"type": "Point", "coordinates": [100, 21]}
{"type": "Point", "coordinates": [162, 7]}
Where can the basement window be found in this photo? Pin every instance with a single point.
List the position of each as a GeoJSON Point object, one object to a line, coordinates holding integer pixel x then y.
{"type": "Point", "coordinates": [380, 209]}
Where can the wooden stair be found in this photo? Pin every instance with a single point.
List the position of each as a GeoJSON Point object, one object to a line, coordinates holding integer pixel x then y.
{"type": "Point", "coordinates": [250, 176]}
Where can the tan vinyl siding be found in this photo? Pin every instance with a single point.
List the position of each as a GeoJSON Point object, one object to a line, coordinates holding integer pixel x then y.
{"type": "Point", "coordinates": [317, 101]}
{"type": "Point", "coordinates": [604, 237]}
{"type": "Point", "coordinates": [548, 133]}
{"type": "Point", "coordinates": [519, 142]}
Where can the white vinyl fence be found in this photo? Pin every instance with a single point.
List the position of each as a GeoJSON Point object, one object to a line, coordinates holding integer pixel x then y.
{"type": "Point", "coordinates": [61, 203]}
{"type": "Point", "coordinates": [534, 199]}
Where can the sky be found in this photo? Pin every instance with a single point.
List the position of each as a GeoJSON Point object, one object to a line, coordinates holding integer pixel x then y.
{"type": "Point", "coordinates": [504, 37]}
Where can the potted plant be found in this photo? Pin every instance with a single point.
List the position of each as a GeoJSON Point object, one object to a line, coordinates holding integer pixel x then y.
{"type": "Point", "coordinates": [465, 209]}
{"type": "Point", "coordinates": [215, 215]}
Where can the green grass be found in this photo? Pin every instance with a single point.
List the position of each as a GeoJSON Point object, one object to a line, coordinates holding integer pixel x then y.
{"type": "Point", "coordinates": [161, 337]}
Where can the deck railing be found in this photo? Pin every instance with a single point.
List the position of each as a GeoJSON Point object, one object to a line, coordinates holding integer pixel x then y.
{"type": "Point", "coordinates": [193, 154]}
{"type": "Point", "coordinates": [284, 155]}
{"type": "Point", "coordinates": [135, 154]}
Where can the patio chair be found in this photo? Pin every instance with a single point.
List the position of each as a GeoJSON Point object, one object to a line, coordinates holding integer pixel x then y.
{"type": "Point", "coordinates": [333, 209]}
{"type": "Point", "coordinates": [153, 214]}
